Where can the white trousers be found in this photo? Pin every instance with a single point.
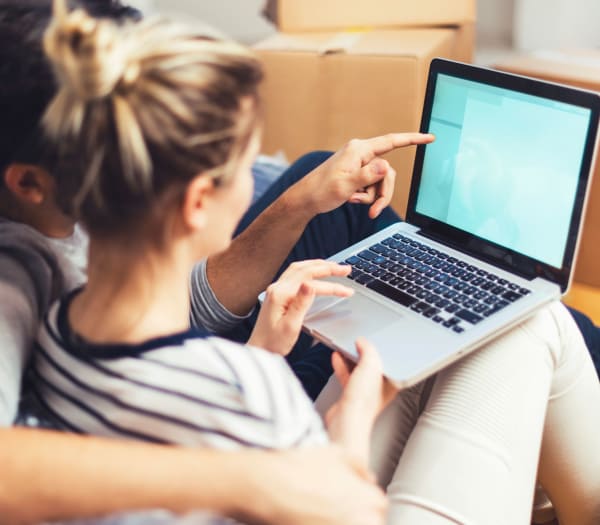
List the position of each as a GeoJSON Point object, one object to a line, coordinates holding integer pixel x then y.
{"type": "Point", "coordinates": [469, 449]}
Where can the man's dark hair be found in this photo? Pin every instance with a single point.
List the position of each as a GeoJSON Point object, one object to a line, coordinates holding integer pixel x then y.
{"type": "Point", "coordinates": [27, 83]}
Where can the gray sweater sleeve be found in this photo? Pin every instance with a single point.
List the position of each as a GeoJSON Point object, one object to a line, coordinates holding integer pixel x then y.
{"type": "Point", "coordinates": [206, 310]}
{"type": "Point", "coordinates": [30, 278]}
{"type": "Point", "coordinates": [23, 300]}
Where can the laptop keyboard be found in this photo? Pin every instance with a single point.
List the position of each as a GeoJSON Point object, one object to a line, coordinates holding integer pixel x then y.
{"type": "Point", "coordinates": [444, 289]}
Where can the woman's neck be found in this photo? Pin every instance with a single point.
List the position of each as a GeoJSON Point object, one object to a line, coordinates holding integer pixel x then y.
{"type": "Point", "coordinates": [133, 294]}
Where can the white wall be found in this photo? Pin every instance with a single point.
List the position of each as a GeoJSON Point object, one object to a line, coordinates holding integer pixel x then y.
{"type": "Point", "coordinates": [494, 22]}
{"type": "Point", "coordinates": [239, 19]}
{"type": "Point", "coordinates": [501, 23]}
{"type": "Point", "coordinates": [556, 24]}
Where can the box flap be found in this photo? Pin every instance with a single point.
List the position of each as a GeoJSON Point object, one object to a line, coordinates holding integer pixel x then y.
{"type": "Point", "coordinates": [402, 42]}
{"type": "Point", "coordinates": [320, 43]}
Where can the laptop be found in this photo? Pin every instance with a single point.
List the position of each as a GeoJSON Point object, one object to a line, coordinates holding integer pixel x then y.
{"type": "Point", "coordinates": [491, 229]}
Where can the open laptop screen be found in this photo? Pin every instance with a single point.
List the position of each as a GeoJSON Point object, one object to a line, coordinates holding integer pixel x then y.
{"type": "Point", "coordinates": [505, 166]}
{"type": "Point", "coordinates": [507, 177]}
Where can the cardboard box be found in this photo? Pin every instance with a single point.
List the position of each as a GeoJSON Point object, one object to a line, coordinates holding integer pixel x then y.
{"type": "Point", "coordinates": [464, 43]}
{"type": "Point", "coordinates": [580, 69]}
{"type": "Point", "coordinates": [323, 89]}
{"type": "Point", "coordinates": [324, 15]}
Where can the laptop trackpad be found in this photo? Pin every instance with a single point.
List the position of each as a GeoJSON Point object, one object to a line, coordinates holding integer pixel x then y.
{"type": "Point", "coordinates": [345, 320]}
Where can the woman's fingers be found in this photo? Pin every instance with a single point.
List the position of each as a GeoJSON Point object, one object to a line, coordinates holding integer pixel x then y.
{"type": "Point", "coordinates": [342, 368]}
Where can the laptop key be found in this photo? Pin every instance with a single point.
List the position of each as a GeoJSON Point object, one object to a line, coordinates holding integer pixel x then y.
{"type": "Point", "coordinates": [353, 260]}
{"type": "Point", "coordinates": [467, 315]}
{"type": "Point", "coordinates": [470, 303]}
{"type": "Point", "coordinates": [403, 285]}
{"type": "Point", "coordinates": [387, 277]}
{"type": "Point", "coordinates": [391, 293]}
{"type": "Point", "coordinates": [458, 329]}
{"type": "Point", "coordinates": [419, 307]}
{"type": "Point", "coordinates": [431, 312]}
{"type": "Point", "coordinates": [368, 255]}
{"type": "Point", "coordinates": [451, 322]}
{"type": "Point", "coordinates": [511, 296]}
{"type": "Point", "coordinates": [422, 294]}
{"type": "Point", "coordinates": [378, 248]}
{"type": "Point", "coordinates": [480, 309]}
{"type": "Point", "coordinates": [364, 279]}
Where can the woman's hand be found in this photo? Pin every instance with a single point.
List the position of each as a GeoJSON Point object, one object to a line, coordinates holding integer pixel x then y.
{"type": "Point", "coordinates": [366, 393]}
{"type": "Point", "coordinates": [356, 174]}
{"type": "Point", "coordinates": [289, 298]}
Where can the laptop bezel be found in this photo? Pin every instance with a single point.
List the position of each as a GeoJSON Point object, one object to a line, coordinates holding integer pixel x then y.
{"type": "Point", "coordinates": [488, 251]}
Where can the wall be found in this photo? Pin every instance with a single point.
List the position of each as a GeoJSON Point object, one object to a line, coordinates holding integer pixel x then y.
{"type": "Point", "coordinates": [528, 24]}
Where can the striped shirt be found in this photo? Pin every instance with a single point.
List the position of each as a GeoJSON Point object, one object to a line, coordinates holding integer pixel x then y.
{"type": "Point", "coordinates": [189, 388]}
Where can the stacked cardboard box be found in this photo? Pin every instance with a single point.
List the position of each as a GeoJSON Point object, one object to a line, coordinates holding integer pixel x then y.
{"type": "Point", "coordinates": [340, 70]}
{"type": "Point", "coordinates": [580, 69]}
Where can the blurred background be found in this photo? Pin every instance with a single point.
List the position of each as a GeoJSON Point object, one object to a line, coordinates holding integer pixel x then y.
{"type": "Point", "coordinates": [502, 25]}
{"type": "Point", "coordinates": [338, 69]}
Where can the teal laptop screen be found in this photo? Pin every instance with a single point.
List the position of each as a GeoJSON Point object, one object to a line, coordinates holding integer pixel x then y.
{"type": "Point", "coordinates": [504, 167]}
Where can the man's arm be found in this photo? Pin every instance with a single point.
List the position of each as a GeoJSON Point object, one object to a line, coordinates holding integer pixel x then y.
{"type": "Point", "coordinates": [353, 174]}
{"type": "Point", "coordinates": [51, 476]}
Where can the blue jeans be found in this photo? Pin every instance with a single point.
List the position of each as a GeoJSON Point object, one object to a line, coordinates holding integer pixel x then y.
{"type": "Point", "coordinates": [325, 235]}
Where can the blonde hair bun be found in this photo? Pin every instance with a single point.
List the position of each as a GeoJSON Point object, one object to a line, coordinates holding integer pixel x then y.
{"type": "Point", "coordinates": [88, 56]}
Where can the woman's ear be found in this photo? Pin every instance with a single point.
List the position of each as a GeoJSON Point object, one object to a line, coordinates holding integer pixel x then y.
{"type": "Point", "coordinates": [28, 183]}
{"type": "Point", "coordinates": [198, 198]}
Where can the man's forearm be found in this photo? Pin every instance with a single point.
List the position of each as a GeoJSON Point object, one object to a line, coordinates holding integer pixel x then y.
{"type": "Point", "coordinates": [238, 275]}
{"type": "Point", "coordinates": [51, 476]}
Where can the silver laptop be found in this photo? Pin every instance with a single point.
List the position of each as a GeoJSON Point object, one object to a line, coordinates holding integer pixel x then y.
{"type": "Point", "coordinates": [492, 223]}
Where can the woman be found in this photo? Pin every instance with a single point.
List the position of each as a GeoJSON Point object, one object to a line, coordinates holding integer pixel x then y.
{"type": "Point", "coordinates": [155, 128]}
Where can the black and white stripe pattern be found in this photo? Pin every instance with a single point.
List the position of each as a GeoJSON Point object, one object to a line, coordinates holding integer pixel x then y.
{"type": "Point", "coordinates": [184, 389]}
